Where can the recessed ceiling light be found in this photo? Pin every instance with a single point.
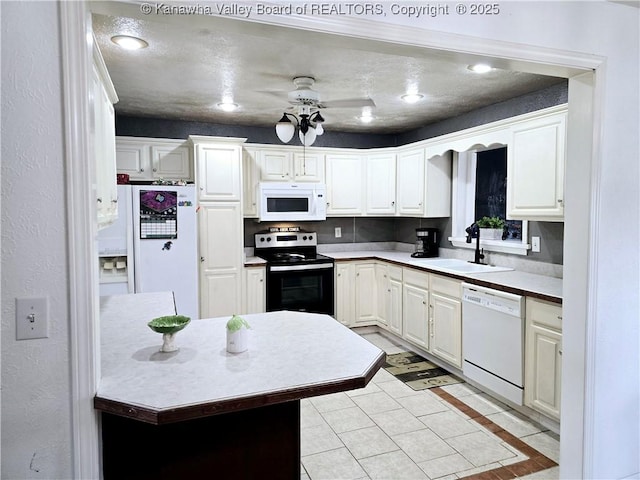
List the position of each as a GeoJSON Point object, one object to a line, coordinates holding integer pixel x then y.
{"type": "Point", "coordinates": [412, 97]}
{"type": "Point", "coordinates": [480, 68]}
{"type": "Point", "coordinates": [228, 106]}
{"type": "Point", "coordinates": [129, 43]}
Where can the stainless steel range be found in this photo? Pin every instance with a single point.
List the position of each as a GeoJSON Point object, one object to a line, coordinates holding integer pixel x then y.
{"type": "Point", "coordinates": [298, 277]}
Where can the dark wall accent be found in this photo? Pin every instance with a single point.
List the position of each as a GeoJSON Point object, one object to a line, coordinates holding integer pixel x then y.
{"type": "Point", "coordinates": [551, 241]}
{"type": "Point", "coordinates": [548, 97]}
{"type": "Point", "coordinates": [165, 128]}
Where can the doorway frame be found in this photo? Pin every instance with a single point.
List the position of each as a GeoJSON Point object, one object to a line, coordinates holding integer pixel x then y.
{"type": "Point", "coordinates": [586, 97]}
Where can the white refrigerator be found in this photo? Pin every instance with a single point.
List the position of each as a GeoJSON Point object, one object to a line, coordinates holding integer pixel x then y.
{"type": "Point", "coordinates": [158, 229]}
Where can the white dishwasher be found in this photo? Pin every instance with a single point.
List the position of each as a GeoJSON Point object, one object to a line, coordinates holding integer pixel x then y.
{"type": "Point", "coordinates": [493, 340]}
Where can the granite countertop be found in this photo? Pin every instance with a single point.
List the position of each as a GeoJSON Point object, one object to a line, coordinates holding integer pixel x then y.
{"type": "Point", "coordinates": [291, 355]}
{"type": "Point", "coordinates": [513, 281]}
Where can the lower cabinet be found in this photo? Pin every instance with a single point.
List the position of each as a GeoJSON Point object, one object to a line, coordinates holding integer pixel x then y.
{"type": "Point", "coordinates": [254, 290]}
{"type": "Point", "coordinates": [344, 293]}
{"type": "Point", "coordinates": [445, 322]}
{"type": "Point", "coordinates": [366, 309]}
{"type": "Point", "coordinates": [543, 356]}
{"type": "Point", "coordinates": [415, 307]}
{"type": "Point", "coordinates": [422, 308]}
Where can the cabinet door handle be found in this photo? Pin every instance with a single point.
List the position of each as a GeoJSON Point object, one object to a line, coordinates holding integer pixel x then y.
{"type": "Point", "coordinates": [560, 200]}
{"type": "Point", "coordinates": [559, 352]}
{"type": "Point", "coordinates": [141, 170]}
{"type": "Point", "coordinates": [114, 201]}
{"type": "Point", "coordinates": [201, 259]}
{"type": "Point", "coordinates": [155, 169]}
{"type": "Point", "coordinates": [99, 200]}
{"type": "Point", "coordinates": [424, 303]}
{"type": "Point", "coordinates": [393, 204]}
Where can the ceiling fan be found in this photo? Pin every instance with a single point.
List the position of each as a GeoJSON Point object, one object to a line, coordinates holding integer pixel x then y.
{"type": "Point", "coordinates": [307, 100]}
{"type": "Point", "coordinates": [304, 94]}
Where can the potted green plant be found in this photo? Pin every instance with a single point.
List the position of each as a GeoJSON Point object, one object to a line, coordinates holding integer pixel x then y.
{"type": "Point", "coordinates": [491, 228]}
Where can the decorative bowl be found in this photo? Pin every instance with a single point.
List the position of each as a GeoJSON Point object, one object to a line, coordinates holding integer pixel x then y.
{"type": "Point", "coordinates": [168, 326]}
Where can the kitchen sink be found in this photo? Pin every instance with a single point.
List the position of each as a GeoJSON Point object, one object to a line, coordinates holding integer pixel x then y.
{"type": "Point", "coordinates": [454, 265]}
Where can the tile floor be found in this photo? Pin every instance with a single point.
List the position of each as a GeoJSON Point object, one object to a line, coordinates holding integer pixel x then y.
{"type": "Point", "coordinates": [389, 431]}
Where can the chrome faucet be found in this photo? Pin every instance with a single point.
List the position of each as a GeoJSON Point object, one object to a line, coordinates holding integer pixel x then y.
{"type": "Point", "coordinates": [473, 231]}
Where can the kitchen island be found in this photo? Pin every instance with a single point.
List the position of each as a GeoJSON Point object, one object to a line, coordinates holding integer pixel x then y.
{"type": "Point", "coordinates": [201, 412]}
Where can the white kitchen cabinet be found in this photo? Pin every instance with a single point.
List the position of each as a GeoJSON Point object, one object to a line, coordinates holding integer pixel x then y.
{"type": "Point", "coordinates": [380, 184]}
{"type": "Point", "coordinates": [445, 322]}
{"type": "Point", "coordinates": [221, 245]}
{"type": "Point", "coordinates": [390, 297]}
{"type": "Point", "coordinates": [543, 356]}
{"type": "Point", "coordinates": [344, 293]}
{"type": "Point", "coordinates": [149, 159]}
{"type": "Point", "coordinates": [254, 289]}
{"type": "Point", "coordinates": [171, 161]}
{"type": "Point", "coordinates": [103, 97]}
{"type": "Point", "coordinates": [308, 166]}
{"type": "Point", "coordinates": [290, 164]}
{"type": "Point", "coordinates": [220, 225]}
{"type": "Point", "coordinates": [535, 169]}
{"type": "Point", "coordinates": [345, 192]}
{"type": "Point", "coordinates": [366, 312]}
{"type": "Point", "coordinates": [411, 182]}
{"type": "Point", "coordinates": [415, 307]}
{"type": "Point", "coordinates": [275, 165]}
{"type": "Point", "coordinates": [219, 164]}
{"type": "Point", "coordinates": [423, 184]}
{"type": "Point", "coordinates": [250, 182]}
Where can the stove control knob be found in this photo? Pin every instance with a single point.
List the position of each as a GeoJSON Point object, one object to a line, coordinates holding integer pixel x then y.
{"type": "Point", "coordinates": [262, 239]}
{"type": "Point", "coordinates": [304, 238]}
{"type": "Point", "coordinates": [310, 237]}
{"type": "Point", "coordinates": [268, 239]}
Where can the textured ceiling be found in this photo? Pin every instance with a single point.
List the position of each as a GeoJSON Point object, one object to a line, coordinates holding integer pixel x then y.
{"type": "Point", "coordinates": [190, 66]}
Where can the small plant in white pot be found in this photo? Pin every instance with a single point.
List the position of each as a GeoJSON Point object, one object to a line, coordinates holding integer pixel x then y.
{"type": "Point", "coordinates": [237, 335]}
{"type": "Point", "coordinates": [491, 228]}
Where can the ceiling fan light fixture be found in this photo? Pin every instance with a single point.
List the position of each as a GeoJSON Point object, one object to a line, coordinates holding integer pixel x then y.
{"type": "Point", "coordinates": [412, 97]}
{"type": "Point", "coordinates": [285, 129]}
{"type": "Point", "coordinates": [128, 42]}
{"type": "Point", "coordinates": [307, 138]}
{"type": "Point", "coordinates": [480, 68]}
{"type": "Point", "coordinates": [317, 118]}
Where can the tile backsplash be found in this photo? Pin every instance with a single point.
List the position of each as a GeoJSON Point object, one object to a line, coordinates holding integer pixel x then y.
{"type": "Point", "coordinates": [401, 230]}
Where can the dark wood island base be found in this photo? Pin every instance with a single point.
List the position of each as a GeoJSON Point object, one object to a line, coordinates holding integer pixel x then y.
{"type": "Point", "coordinates": [257, 443]}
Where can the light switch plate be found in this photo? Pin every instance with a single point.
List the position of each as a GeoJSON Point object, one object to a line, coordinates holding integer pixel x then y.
{"type": "Point", "coordinates": [338, 231]}
{"type": "Point", "coordinates": [32, 318]}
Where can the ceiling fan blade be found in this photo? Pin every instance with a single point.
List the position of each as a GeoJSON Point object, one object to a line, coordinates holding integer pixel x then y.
{"type": "Point", "coordinates": [348, 103]}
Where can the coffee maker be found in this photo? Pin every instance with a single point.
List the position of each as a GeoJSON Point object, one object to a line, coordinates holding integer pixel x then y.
{"type": "Point", "coordinates": [426, 243]}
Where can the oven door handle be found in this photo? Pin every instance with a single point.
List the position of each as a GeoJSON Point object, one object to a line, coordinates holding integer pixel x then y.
{"type": "Point", "coordinates": [291, 268]}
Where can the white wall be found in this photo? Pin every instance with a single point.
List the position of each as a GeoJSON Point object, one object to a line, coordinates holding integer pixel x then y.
{"type": "Point", "coordinates": [36, 431]}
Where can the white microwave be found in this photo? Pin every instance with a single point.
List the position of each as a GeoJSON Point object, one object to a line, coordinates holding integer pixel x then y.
{"type": "Point", "coordinates": [289, 202]}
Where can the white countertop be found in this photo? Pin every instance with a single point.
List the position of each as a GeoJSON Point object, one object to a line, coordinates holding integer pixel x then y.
{"type": "Point", "coordinates": [287, 350]}
{"type": "Point", "coordinates": [524, 282]}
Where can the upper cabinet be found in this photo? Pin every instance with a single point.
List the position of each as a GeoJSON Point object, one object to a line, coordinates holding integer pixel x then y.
{"type": "Point", "coordinates": [380, 184]}
{"type": "Point", "coordinates": [535, 169]}
{"type": "Point", "coordinates": [153, 159]}
{"type": "Point", "coordinates": [345, 194]}
{"type": "Point", "coordinates": [289, 164]}
{"type": "Point", "coordinates": [219, 161]}
{"type": "Point", "coordinates": [423, 184]}
{"type": "Point", "coordinates": [103, 96]}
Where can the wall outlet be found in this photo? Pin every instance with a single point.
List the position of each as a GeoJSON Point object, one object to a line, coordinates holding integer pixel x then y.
{"type": "Point", "coordinates": [338, 232]}
{"type": "Point", "coordinates": [535, 244]}
{"type": "Point", "coordinates": [32, 316]}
